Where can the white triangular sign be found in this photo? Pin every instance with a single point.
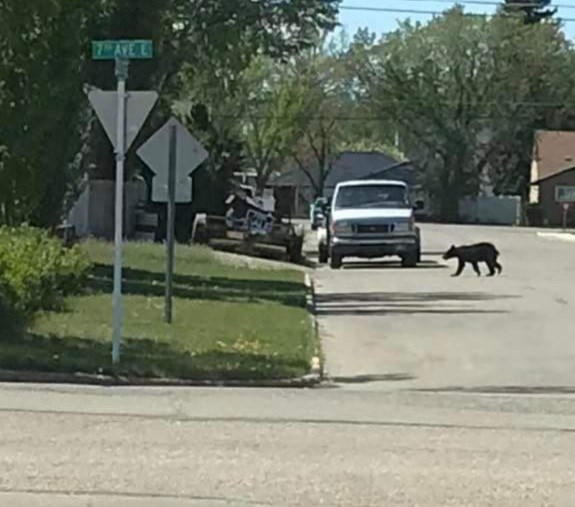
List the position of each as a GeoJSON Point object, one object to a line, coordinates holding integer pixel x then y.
{"type": "Point", "coordinates": [138, 107]}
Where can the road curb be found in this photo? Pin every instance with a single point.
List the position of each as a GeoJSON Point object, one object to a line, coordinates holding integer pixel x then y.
{"type": "Point", "coordinates": [563, 236]}
{"type": "Point", "coordinates": [312, 379]}
{"type": "Point", "coordinates": [316, 364]}
{"type": "Point", "coordinates": [29, 377]}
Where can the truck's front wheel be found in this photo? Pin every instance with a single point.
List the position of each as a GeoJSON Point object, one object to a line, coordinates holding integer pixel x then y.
{"type": "Point", "coordinates": [410, 259]}
{"type": "Point", "coordinates": [336, 261]}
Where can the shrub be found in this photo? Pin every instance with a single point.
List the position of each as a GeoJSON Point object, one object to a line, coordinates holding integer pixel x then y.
{"type": "Point", "coordinates": [37, 271]}
{"type": "Point", "coordinates": [7, 318]}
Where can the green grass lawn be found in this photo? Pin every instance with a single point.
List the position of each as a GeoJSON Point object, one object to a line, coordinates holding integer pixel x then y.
{"type": "Point", "coordinates": [229, 322]}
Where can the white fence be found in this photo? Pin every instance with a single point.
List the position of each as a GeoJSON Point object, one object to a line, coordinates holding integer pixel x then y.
{"type": "Point", "coordinates": [93, 212]}
{"type": "Point", "coordinates": [496, 210]}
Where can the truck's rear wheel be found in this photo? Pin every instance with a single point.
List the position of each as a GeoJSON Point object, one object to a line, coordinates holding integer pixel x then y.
{"type": "Point", "coordinates": [336, 261]}
{"type": "Point", "coordinates": [294, 250]}
{"type": "Point", "coordinates": [323, 255]}
{"type": "Point", "coordinates": [200, 232]}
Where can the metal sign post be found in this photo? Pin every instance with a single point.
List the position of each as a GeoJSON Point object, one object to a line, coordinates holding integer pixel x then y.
{"type": "Point", "coordinates": [171, 223]}
{"type": "Point", "coordinates": [172, 154]}
{"type": "Point", "coordinates": [122, 67]}
{"type": "Point", "coordinates": [565, 207]}
{"type": "Point", "coordinates": [122, 116]}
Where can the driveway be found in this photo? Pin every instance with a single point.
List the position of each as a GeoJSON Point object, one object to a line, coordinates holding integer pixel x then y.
{"type": "Point", "coordinates": [382, 325]}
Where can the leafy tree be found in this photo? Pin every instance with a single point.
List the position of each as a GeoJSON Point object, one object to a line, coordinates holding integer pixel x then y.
{"type": "Point", "coordinates": [44, 63]}
{"type": "Point", "coordinates": [465, 94]}
{"type": "Point", "coordinates": [213, 41]}
{"type": "Point", "coordinates": [42, 107]}
{"type": "Point", "coordinates": [532, 88]}
{"type": "Point", "coordinates": [433, 82]}
{"type": "Point", "coordinates": [329, 103]}
{"type": "Point", "coordinates": [274, 102]}
{"type": "Point", "coordinates": [365, 129]}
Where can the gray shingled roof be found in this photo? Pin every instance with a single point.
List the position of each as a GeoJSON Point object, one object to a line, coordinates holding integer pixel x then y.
{"type": "Point", "coordinates": [349, 165]}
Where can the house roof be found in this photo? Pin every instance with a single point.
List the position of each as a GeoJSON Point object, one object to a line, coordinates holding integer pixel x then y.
{"type": "Point", "coordinates": [358, 183]}
{"type": "Point", "coordinates": [553, 153]}
{"type": "Point", "coordinates": [541, 180]}
{"type": "Point", "coordinates": [349, 165]}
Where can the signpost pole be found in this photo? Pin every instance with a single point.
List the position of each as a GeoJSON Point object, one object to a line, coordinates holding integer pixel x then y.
{"type": "Point", "coordinates": [122, 76]}
{"type": "Point", "coordinates": [114, 110]}
{"type": "Point", "coordinates": [565, 207]}
{"type": "Point", "coordinates": [171, 220]}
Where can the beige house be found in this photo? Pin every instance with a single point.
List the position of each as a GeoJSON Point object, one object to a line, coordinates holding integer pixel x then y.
{"type": "Point", "coordinates": [553, 174]}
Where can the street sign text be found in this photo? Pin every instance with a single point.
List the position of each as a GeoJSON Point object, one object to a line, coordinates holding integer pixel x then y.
{"type": "Point", "coordinates": [122, 50]}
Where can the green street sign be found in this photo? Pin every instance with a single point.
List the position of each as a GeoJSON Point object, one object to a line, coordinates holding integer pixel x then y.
{"type": "Point", "coordinates": [122, 50]}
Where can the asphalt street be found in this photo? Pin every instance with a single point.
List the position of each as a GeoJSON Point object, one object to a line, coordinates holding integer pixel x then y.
{"type": "Point", "coordinates": [444, 392]}
{"type": "Point", "coordinates": [428, 330]}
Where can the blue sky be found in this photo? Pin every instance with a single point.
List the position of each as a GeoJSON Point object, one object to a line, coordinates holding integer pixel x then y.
{"type": "Point", "coordinates": [380, 22]}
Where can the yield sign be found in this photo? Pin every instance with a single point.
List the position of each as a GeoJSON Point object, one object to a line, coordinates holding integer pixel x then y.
{"type": "Point", "coordinates": [138, 107]}
{"type": "Point", "coordinates": [189, 155]}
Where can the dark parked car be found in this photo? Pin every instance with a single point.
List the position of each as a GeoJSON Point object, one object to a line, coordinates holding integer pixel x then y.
{"type": "Point", "coordinates": [318, 212]}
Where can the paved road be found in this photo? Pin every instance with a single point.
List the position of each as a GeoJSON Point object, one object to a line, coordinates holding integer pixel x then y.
{"type": "Point", "coordinates": [425, 329]}
{"type": "Point", "coordinates": [410, 422]}
{"type": "Point", "coordinates": [62, 447]}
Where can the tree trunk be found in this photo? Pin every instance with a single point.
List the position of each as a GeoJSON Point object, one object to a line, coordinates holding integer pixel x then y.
{"type": "Point", "coordinates": [449, 206]}
{"type": "Point", "coordinates": [449, 193]}
{"type": "Point", "coordinates": [261, 181]}
{"type": "Point", "coordinates": [323, 174]}
{"type": "Point", "coordinates": [453, 183]}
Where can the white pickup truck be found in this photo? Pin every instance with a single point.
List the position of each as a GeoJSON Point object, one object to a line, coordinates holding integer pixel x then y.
{"type": "Point", "coordinates": [369, 219]}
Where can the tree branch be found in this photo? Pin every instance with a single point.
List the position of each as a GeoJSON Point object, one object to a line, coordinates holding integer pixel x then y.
{"type": "Point", "coordinates": [307, 174]}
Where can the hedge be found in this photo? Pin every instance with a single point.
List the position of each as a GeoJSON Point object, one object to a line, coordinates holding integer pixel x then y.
{"type": "Point", "coordinates": [36, 272]}
{"type": "Point", "coordinates": [7, 319]}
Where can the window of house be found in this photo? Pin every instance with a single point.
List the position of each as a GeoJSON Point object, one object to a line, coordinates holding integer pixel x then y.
{"type": "Point", "coordinates": [565, 193]}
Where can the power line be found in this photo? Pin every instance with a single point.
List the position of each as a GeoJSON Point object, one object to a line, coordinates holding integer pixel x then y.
{"type": "Point", "coordinates": [386, 9]}
{"type": "Point", "coordinates": [439, 104]}
{"type": "Point", "coordinates": [492, 118]}
{"type": "Point", "coordinates": [427, 13]}
{"type": "Point", "coordinates": [344, 117]}
{"type": "Point", "coordinates": [487, 2]}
